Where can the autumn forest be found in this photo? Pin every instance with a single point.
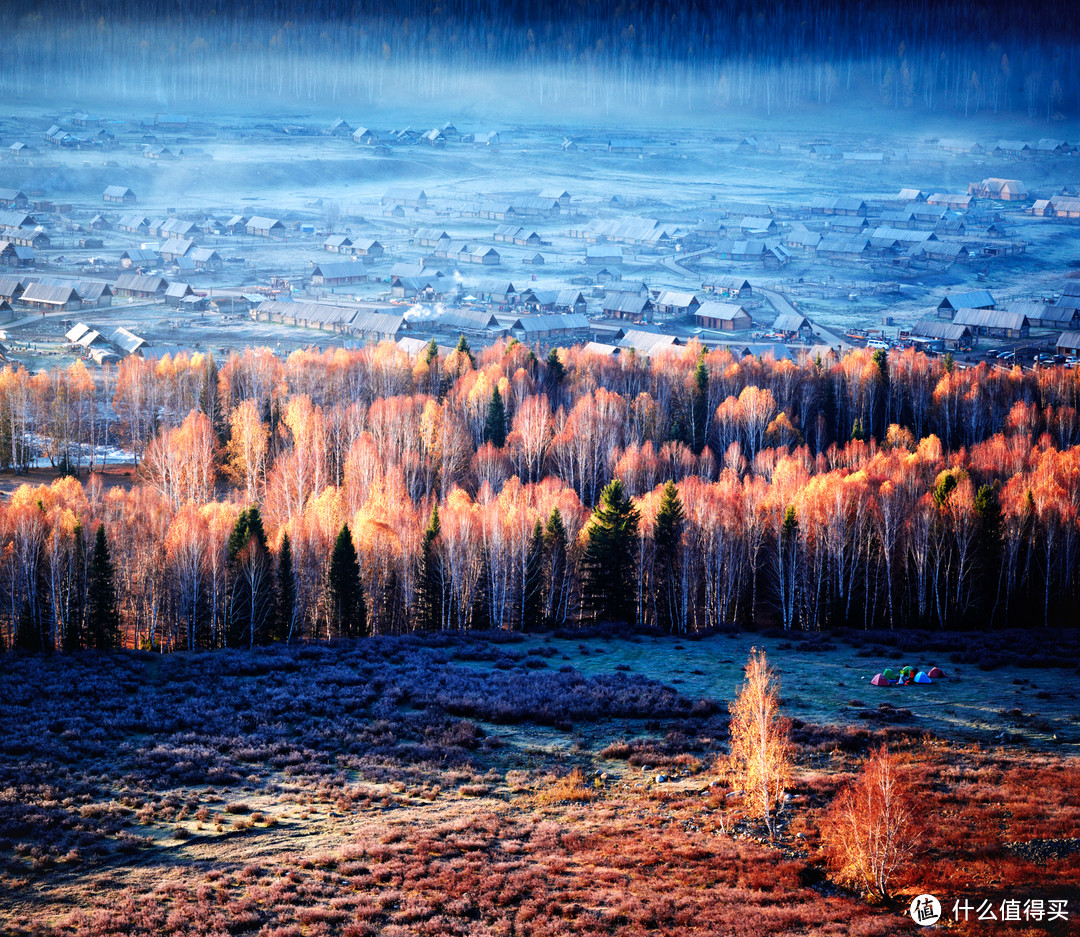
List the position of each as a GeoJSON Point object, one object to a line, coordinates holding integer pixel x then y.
{"type": "Point", "coordinates": [357, 492]}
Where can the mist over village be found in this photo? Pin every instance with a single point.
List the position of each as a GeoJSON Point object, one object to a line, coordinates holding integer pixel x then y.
{"type": "Point", "coordinates": [539, 468]}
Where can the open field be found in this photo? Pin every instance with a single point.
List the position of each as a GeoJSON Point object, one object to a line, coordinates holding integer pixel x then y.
{"type": "Point", "coordinates": [424, 786]}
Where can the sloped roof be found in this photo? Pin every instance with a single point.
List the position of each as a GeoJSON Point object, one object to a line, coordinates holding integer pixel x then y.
{"type": "Point", "coordinates": [990, 318]}
{"type": "Point", "coordinates": [972, 299]}
{"type": "Point", "coordinates": [50, 295]}
{"type": "Point", "coordinates": [648, 343]}
{"type": "Point", "coordinates": [565, 321]}
{"type": "Point", "coordinates": [127, 341]}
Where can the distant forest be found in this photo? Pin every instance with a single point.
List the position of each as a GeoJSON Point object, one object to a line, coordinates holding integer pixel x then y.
{"type": "Point", "coordinates": [363, 491]}
{"type": "Point", "coordinates": [962, 57]}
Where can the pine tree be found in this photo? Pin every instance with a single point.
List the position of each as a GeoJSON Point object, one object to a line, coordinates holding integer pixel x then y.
{"type": "Point", "coordinates": [75, 620]}
{"type": "Point", "coordinates": [431, 352]}
{"type": "Point", "coordinates": [251, 603]}
{"type": "Point", "coordinates": [667, 565]}
{"type": "Point", "coordinates": [345, 596]}
{"type": "Point", "coordinates": [480, 614]}
{"type": "Point", "coordinates": [988, 550]}
{"type": "Point", "coordinates": [532, 582]}
{"type": "Point", "coordinates": [555, 560]}
{"type": "Point", "coordinates": [495, 425]}
{"type": "Point", "coordinates": [103, 620]}
{"type": "Point", "coordinates": [610, 571]}
{"type": "Point", "coordinates": [286, 592]}
{"type": "Point", "coordinates": [699, 405]}
{"type": "Point", "coordinates": [463, 347]}
{"type": "Point", "coordinates": [555, 369]}
{"type": "Point", "coordinates": [429, 589]}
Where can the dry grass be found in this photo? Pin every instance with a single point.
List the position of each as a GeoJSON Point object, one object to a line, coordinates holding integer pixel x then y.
{"type": "Point", "coordinates": [307, 793]}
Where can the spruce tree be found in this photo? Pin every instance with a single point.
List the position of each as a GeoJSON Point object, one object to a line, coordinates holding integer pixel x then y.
{"type": "Point", "coordinates": [480, 614]}
{"type": "Point", "coordinates": [251, 600]}
{"type": "Point", "coordinates": [699, 405]}
{"type": "Point", "coordinates": [429, 590]}
{"type": "Point", "coordinates": [286, 592]}
{"type": "Point", "coordinates": [988, 550]}
{"type": "Point", "coordinates": [555, 369]}
{"type": "Point", "coordinates": [431, 352]}
{"type": "Point", "coordinates": [610, 569]}
{"type": "Point", "coordinates": [532, 582]}
{"type": "Point", "coordinates": [495, 425]}
{"type": "Point", "coordinates": [667, 538]}
{"type": "Point", "coordinates": [463, 347]}
{"type": "Point", "coordinates": [348, 612]}
{"type": "Point", "coordinates": [555, 559]}
{"type": "Point", "coordinates": [103, 620]}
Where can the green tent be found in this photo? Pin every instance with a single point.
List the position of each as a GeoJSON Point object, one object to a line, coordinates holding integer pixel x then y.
{"type": "Point", "coordinates": [889, 674]}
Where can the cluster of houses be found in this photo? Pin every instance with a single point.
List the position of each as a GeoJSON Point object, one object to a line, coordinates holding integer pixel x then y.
{"type": "Point", "coordinates": [961, 319]}
{"type": "Point", "coordinates": [1010, 148]}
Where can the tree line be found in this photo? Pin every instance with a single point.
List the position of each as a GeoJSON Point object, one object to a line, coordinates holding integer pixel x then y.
{"type": "Point", "coordinates": [363, 491]}
{"type": "Point", "coordinates": [780, 55]}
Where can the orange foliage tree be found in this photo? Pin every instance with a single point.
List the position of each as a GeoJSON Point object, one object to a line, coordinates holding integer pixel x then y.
{"type": "Point", "coordinates": [761, 750]}
{"type": "Point", "coordinates": [872, 829]}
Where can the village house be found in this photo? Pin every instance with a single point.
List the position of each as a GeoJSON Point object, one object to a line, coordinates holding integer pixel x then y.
{"type": "Point", "coordinates": [997, 323]}
{"type": "Point", "coordinates": [51, 298]}
{"type": "Point", "coordinates": [339, 128]}
{"type": "Point", "coordinates": [175, 248]}
{"type": "Point", "coordinates": [1068, 343]}
{"type": "Point", "coordinates": [792, 325]}
{"type": "Point", "coordinates": [1045, 316]}
{"type": "Point", "coordinates": [11, 289]}
{"type": "Point", "coordinates": [265, 227]}
{"type": "Point", "coordinates": [135, 257]}
{"type": "Point", "coordinates": [120, 194]}
{"type": "Point", "coordinates": [961, 202]}
{"type": "Point", "coordinates": [16, 255]}
{"type": "Point", "coordinates": [560, 195]}
{"type": "Point", "coordinates": [500, 292]}
{"type": "Point", "coordinates": [1012, 148]}
{"type": "Point", "coordinates": [479, 322]}
{"type": "Point", "coordinates": [725, 285]}
{"type": "Point", "coordinates": [430, 237]}
{"type": "Point", "coordinates": [632, 306]}
{"type": "Point", "coordinates": [952, 335]}
{"type": "Point", "coordinates": [338, 244]}
{"type": "Point", "coordinates": [602, 255]}
{"type": "Point", "coordinates": [973, 299]}
{"type": "Point", "coordinates": [127, 343]}
{"type": "Point", "coordinates": [177, 293]}
{"type": "Point", "coordinates": [543, 328]}
{"type": "Point", "coordinates": [645, 343]}
{"type": "Point", "coordinates": [1009, 190]}
{"type": "Point", "coordinates": [758, 227]}
{"type": "Point", "coordinates": [368, 249]}
{"type": "Point", "coordinates": [406, 197]}
{"type": "Point", "coordinates": [140, 286]}
{"type": "Point", "coordinates": [675, 303]}
{"type": "Point", "coordinates": [728, 317]}
{"type": "Point", "coordinates": [341, 273]}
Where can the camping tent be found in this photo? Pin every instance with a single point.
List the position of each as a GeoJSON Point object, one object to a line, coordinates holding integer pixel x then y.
{"type": "Point", "coordinates": [921, 677]}
{"type": "Point", "coordinates": [889, 674]}
{"type": "Point", "coordinates": [880, 680]}
{"type": "Point", "coordinates": [935, 673]}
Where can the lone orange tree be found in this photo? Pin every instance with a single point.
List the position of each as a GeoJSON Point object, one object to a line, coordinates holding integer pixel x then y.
{"type": "Point", "coordinates": [761, 754]}
{"type": "Point", "coordinates": [871, 830]}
